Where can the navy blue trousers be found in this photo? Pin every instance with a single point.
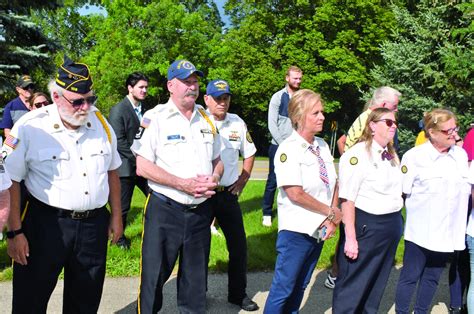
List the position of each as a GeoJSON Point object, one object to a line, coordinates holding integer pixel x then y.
{"type": "Point", "coordinates": [169, 231]}
{"type": "Point", "coordinates": [298, 254]}
{"type": "Point", "coordinates": [78, 246]}
{"type": "Point", "coordinates": [271, 185]}
{"type": "Point", "coordinates": [420, 266]}
{"type": "Point", "coordinates": [361, 282]}
{"type": "Point", "coordinates": [226, 209]}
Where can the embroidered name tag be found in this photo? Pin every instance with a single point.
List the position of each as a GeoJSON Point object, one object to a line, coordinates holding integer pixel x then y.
{"type": "Point", "coordinates": [174, 137]}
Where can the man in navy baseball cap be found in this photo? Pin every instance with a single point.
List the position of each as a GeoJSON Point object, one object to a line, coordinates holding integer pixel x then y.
{"type": "Point", "coordinates": [182, 69]}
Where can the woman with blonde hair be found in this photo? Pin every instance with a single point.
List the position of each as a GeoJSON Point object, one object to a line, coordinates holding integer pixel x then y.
{"type": "Point", "coordinates": [436, 189]}
{"type": "Point", "coordinates": [307, 215]}
{"type": "Point", "coordinates": [370, 191]}
{"type": "Point", "coordinates": [38, 100]}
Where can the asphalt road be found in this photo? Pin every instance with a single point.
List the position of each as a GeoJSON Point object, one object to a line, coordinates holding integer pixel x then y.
{"type": "Point", "coordinates": [120, 295]}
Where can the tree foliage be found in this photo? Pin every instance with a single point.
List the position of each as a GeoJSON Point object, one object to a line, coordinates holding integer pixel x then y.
{"type": "Point", "coordinates": [431, 61]}
{"type": "Point", "coordinates": [23, 46]}
{"type": "Point", "coordinates": [336, 43]}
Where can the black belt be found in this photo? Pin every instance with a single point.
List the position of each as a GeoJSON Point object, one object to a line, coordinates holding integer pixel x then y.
{"type": "Point", "coordinates": [73, 214]}
{"type": "Point", "coordinates": [221, 188]}
{"type": "Point", "coordinates": [171, 202]}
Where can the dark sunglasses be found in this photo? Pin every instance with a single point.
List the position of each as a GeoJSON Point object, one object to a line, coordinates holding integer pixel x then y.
{"type": "Point", "coordinates": [450, 131]}
{"type": "Point", "coordinates": [388, 122]}
{"type": "Point", "coordinates": [91, 100]}
{"type": "Point", "coordinates": [41, 104]}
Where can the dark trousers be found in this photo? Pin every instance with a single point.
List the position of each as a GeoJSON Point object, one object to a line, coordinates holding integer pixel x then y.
{"type": "Point", "coordinates": [271, 185]}
{"type": "Point", "coordinates": [425, 266]}
{"type": "Point", "coordinates": [298, 254]}
{"type": "Point", "coordinates": [459, 277]}
{"type": "Point", "coordinates": [361, 282]}
{"type": "Point", "coordinates": [226, 209]}
{"type": "Point", "coordinates": [169, 231]}
{"type": "Point", "coordinates": [78, 246]}
{"type": "Point", "coordinates": [127, 186]}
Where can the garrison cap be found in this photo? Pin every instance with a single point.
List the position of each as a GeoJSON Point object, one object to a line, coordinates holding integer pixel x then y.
{"type": "Point", "coordinates": [74, 77]}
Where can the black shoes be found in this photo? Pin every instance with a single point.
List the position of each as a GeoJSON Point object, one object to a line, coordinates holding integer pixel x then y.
{"type": "Point", "coordinates": [245, 304]}
{"type": "Point", "coordinates": [123, 243]}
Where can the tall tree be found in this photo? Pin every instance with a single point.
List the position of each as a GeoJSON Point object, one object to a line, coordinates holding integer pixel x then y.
{"type": "Point", "coordinates": [147, 37]}
{"type": "Point", "coordinates": [23, 46]}
{"type": "Point", "coordinates": [431, 61]}
{"type": "Point", "coordinates": [335, 42]}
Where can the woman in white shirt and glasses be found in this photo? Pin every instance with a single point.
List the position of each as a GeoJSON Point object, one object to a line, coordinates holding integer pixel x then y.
{"type": "Point", "coordinates": [436, 189]}
{"type": "Point", "coordinates": [370, 190]}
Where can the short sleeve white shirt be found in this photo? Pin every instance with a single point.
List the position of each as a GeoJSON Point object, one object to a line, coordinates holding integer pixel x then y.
{"type": "Point", "coordinates": [437, 190]}
{"type": "Point", "coordinates": [63, 168]}
{"type": "Point", "coordinates": [5, 181]}
{"type": "Point", "coordinates": [235, 139]}
{"type": "Point", "coordinates": [373, 184]}
{"type": "Point", "coordinates": [296, 165]}
{"type": "Point", "coordinates": [182, 147]}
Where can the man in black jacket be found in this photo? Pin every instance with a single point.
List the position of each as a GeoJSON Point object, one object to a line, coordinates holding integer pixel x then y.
{"type": "Point", "coordinates": [125, 118]}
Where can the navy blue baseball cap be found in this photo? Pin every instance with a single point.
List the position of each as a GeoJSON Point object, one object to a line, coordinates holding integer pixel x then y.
{"type": "Point", "coordinates": [218, 87]}
{"type": "Point", "coordinates": [182, 69]}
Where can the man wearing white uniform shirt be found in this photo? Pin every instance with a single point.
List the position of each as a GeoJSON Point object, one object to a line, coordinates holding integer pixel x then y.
{"type": "Point", "coordinates": [5, 183]}
{"type": "Point", "coordinates": [235, 138]}
{"type": "Point", "coordinates": [179, 155]}
{"type": "Point", "coordinates": [67, 155]}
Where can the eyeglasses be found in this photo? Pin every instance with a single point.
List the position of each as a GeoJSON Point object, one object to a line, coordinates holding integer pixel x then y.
{"type": "Point", "coordinates": [41, 104]}
{"type": "Point", "coordinates": [450, 131]}
{"type": "Point", "coordinates": [29, 87]}
{"type": "Point", "coordinates": [388, 122]}
{"type": "Point", "coordinates": [91, 100]}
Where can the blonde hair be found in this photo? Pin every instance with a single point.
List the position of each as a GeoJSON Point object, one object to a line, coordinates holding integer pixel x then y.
{"type": "Point", "coordinates": [368, 137]}
{"type": "Point", "coordinates": [434, 118]}
{"type": "Point", "coordinates": [300, 104]}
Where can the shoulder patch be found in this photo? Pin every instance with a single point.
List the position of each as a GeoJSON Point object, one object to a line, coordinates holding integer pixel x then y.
{"type": "Point", "coordinates": [353, 161]}
{"type": "Point", "coordinates": [248, 137]}
{"type": "Point", "coordinates": [404, 169]}
{"type": "Point", "coordinates": [11, 141]}
{"type": "Point", "coordinates": [283, 157]}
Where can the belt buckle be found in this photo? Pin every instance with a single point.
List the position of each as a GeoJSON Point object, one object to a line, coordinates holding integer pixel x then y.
{"type": "Point", "coordinates": [220, 188]}
{"type": "Point", "coordinates": [79, 214]}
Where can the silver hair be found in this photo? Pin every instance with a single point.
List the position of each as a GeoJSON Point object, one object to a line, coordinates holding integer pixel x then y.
{"type": "Point", "coordinates": [54, 88]}
{"type": "Point", "coordinates": [383, 94]}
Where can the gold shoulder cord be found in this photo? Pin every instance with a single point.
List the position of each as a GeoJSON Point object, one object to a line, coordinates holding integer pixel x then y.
{"type": "Point", "coordinates": [104, 124]}
{"type": "Point", "coordinates": [203, 113]}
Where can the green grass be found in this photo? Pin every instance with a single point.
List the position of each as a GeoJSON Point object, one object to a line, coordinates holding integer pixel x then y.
{"type": "Point", "coordinates": [260, 241]}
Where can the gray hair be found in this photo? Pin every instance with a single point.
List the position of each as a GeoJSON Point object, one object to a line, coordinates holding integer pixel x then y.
{"type": "Point", "coordinates": [383, 94]}
{"type": "Point", "coordinates": [54, 88]}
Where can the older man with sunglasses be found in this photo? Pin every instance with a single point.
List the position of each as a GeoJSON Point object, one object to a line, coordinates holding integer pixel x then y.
{"type": "Point", "coordinates": [16, 108]}
{"type": "Point", "coordinates": [67, 155]}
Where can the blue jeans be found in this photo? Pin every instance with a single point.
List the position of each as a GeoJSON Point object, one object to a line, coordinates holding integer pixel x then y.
{"type": "Point", "coordinates": [298, 254]}
{"type": "Point", "coordinates": [470, 293]}
{"type": "Point", "coordinates": [270, 187]}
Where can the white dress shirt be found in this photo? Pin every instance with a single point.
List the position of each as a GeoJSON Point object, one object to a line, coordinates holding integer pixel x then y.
{"type": "Point", "coordinates": [61, 167]}
{"type": "Point", "coordinates": [373, 184]}
{"type": "Point", "coordinates": [296, 165]}
{"type": "Point", "coordinates": [182, 147]}
{"type": "Point", "coordinates": [437, 190]}
{"type": "Point", "coordinates": [235, 139]}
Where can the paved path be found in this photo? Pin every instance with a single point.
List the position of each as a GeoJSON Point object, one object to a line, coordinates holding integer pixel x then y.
{"type": "Point", "coordinates": [120, 295]}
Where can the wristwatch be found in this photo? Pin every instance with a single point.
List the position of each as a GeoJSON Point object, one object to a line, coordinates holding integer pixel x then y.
{"type": "Point", "coordinates": [332, 214]}
{"type": "Point", "coordinates": [13, 233]}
